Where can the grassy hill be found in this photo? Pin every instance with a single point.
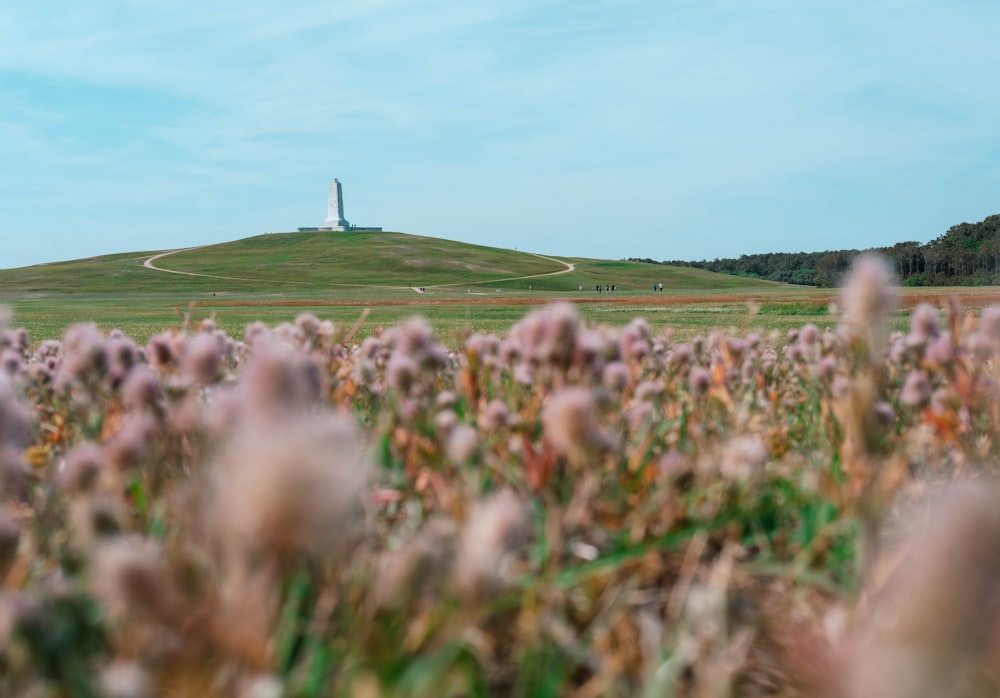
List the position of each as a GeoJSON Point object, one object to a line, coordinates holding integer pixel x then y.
{"type": "Point", "coordinates": [273, 277]}
{"type": "Point", "coordinates": [325, 262]}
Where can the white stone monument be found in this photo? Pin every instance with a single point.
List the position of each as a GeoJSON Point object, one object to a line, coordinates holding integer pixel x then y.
{"type": "Point", "coordinates": [335, 209]}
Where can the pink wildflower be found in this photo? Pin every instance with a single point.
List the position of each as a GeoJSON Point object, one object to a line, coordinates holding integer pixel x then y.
{"type": "Point", "coordinates": [134, 440]}
{"type": "Point", "coordinates": [743, 458]}
{"type": "Point", "coordinates": [15, 419]}
{"type": "Point", "coordinates": [571, 424]}
{"type": "Point", "coordinates": [10, 538]}
{"type": "Point", "coordinates": [142, 390]}
{"type": "Point", "coordinates": [13, 475]}
{"type": "Point", "coordinates": [699, 380]}
{"type": "Point", "coordinates": [496, 416]}
{"type": "Point", "coordinates": [289, 486]}
{"type": "Point", "coordinates": [615, 377]}
{"type": "Point", "coordinates": [869, 297]}
{"type": "Point", "coordinates": [462, 444]}
{"type": "Point", "coordinates": [634, 340]}
{"type": "Point", "coordinates": [924, 325]}
{"type": "Point", "coordinates": [916, 390]}
{"type": "Point", "coordinates": [989, 323]}
{"type": "Point", "coordinates": [940, 352]}
{"type": "Point", "coordinates": [84, 355]}
{"type": "Point", "coordinates": [161, 350]}
{"type": "Point", "coordinates": [201, 357]}
{"type": "Point", "coordinates": [809, 335]}
{"type": "Point", "coordinates": [277, 377]}
{"type": "Point", "coordinates": [82, 467]}
{"type": "Point", "coordinates": [497, 529]}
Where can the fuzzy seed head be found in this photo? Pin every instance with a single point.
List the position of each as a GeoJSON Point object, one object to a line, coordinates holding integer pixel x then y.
{"type": "Point", "coordinates": [11, 362]}
{"type": "Point", "coordinates": [809, 335]}
{"type": "Point", "coordinates": [289, 486]}
{"type": "Point", "coordinates": [498, 527]}
{"type": "Point", "coordinates": [142, 390]}
{"type": "Point", "coordinates": [827, 367]}
{"type": "Point", "coordinates": [445, 421]}
{"type": "Point", "coordinates": [989, 323]}
{"type": "Point", "coordinates": [125, 680]}
{"type": "Point", "coordinates": [84, 355]}
{"type": "Point", "coordinates": [615, 377]}
{"type": "Point", "coordinates": [941, 351]}
{"type": "Point", "coordinates": [931, 632]}
{"type": "Point", "coordinates": [462, 444]}
{"type": "Point", "coordinates": [278, 378]}
{"type": "Point", "coordinates": [445, 399]}
{"type": "Point", "coordinates": [548, 335]}
{"type": "Point", "coordinates": [14, 482]}
{"type": "Point", "coordinates": [649, 390]}
{"type": "Point", "coordinates": [916, 390]}
{"type": "Point", "coordinates": [868, 297]}
{"type": "Point", "coordinates": [682, 353]}
{"type": "Point", "coordinates": [122, 357]}
{"type": "Point", "coordinates": [571, 424]}
{"type": "Point", "coordinates": [161, 350]}
{"type": "Point", "coordinates": [134, 441]}
{"type": "Point", "coordinates": [401, 373]}
{"type": "Point", "coordinates": [743, 458]}
{"type": "Point", "coordinates": [924, 324]}
{"type": "Point", "coordinates": [634, 341]}
{"type": "Point", "coordinates": [128, 577]}
{"type": "Point", "coordinates": [496, 416]}
{"type": "Point", "coordinates": [699, 380]}
{"type": "Point", "coordinates": [201, 358]}
{"type": "Point", "coordinates": [15, 419]}
{"type": "Point", "coordinates": [417, 567]}
{"type": "Point", "coordinates": [10, 538]}
{"type": "Point", "coordinates": [82, 467]}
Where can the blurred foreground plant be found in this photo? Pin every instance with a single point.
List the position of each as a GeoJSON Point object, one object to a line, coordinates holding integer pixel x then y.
{"type": "Point", "coordinates": [569, 510]}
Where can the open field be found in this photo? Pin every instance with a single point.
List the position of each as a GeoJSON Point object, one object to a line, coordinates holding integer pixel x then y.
{"type": "Point", "coordinates": [452, 313]}
{"type": "Point", "coordinates": [274, 277]}
{"type": "Point", "coordinates": [576, 508]}
{"type": "Point", "coordinates": [469, 288]}
{"type": "Point", "coordinates": [714, 500]}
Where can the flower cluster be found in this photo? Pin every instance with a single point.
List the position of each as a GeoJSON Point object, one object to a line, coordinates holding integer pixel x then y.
{"type": "Point", "coordinates": [569, 509]}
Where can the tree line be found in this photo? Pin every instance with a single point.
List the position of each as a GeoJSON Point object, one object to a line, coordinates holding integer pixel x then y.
{"type": "Point", "coordinates": [968, 254]}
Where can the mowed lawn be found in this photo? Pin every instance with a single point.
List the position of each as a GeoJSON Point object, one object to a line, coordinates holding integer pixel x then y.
{"type": "Point", "coordinates": [366, 279]}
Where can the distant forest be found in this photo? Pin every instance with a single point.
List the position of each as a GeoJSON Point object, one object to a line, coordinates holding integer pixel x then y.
{"type": "Point", "coordinates": [967, 255]}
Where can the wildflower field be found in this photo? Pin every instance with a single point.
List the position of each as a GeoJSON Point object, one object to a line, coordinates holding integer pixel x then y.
{"type": "Point", "coordinates": [562, 509]}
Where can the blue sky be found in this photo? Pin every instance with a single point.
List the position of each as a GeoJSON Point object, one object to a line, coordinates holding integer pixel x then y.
{"type": "Point", "coordinates": [671, 129]}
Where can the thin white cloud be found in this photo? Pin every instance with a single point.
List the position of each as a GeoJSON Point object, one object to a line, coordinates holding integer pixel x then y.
{"type": "Point", "coordinates": [645, 109]}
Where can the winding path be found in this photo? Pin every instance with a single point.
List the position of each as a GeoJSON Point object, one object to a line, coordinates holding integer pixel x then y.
{"type": "Point", "coordinates": [569, 266]}
{"type": "Point", "coordinates": [149, 265]}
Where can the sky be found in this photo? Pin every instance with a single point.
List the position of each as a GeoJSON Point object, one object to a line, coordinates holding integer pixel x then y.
{"type": "Point", "coordinates": [669, 129]}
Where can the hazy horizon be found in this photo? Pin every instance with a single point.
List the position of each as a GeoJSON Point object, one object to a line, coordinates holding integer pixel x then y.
{"type": "Point", "coordinates": [609, 129]}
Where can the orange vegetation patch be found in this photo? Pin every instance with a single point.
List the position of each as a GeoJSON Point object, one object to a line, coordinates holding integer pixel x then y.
{"type": "Point", "coordinates": [507, 300]}
{"type": "Point", "coordinates": [971, 296]}
{"type": "Point", "coordinates": [910, 298]}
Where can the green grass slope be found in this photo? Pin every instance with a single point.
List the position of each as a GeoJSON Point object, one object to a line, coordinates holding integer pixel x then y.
{"type": "Point", "coordinates": [638, 278]}
{"type": "Point", "coordinates": [326, 259]}
{"type": "Point", "coordinates": [274, 277]}
{"type": "Point", "coordinates": [346, 263]}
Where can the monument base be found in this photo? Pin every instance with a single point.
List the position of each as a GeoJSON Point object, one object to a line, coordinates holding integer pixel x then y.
{"type": "Point", "coordinates": [332, 223]}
